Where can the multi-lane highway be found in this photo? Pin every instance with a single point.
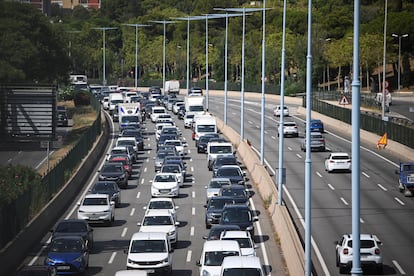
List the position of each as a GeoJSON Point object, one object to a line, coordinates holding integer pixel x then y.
{"type": "Point", "coordinates": [385, 212]}
{"type": "Point", "coordinates": [107, 255]}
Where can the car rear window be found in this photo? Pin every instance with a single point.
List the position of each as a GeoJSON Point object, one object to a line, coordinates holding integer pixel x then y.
{"type": "Point", "coordinates": [340, 157]}
{"type": "Point", "coordinates": [364, 243]}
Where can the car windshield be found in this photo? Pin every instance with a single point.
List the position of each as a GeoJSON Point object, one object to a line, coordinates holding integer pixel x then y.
{"type": "Point", "coordinates": [66, 245]}
{"type": "Point", "coordinates": [215, 258]}
{"type": "Point", "coordinates": [243, 242]}
{"type": "Point", "coordinates": [118, 151]}
{"type": "Point", "coordinates": [95, 201]}
{"type": "Point", "coordinates": [164, 178]}
{"type": "Point", "coordinates": [161, 205]}
{"type": "Point", "coordinates": [170, 169]}
{"type": "Point", "coordinates": [148, 246]}
{"type": "Point", "coordinates": [157, 220]}
{"type": "Point", "coordinates": [206, 128]}
{"type": "Point", "coordinates": [316, 136]}
{"type": "Point", "coordinates": [126, 143]}
{"type": "Point", "coordinates": [228, 172]}
{"type": "Point", "coordinates": [71, 227]}
{"type": "Point", "coordinates": [112, 169]}
{"type": "Point", "coordinates": [103, 186]}
{"type": "Point", "coordinates": [130, 119]}
{"type": "Point", "coordinates": [246, 271]}
{"type": "Point", "coordinates": [216, 203]}
{"type": "Point", "coordinates": [218, 183]}
{"type": "Point", "coordinates": [233, 192]}
{"type": "Point", "coordinates": [220, 149]}
{"type": "Point", "coordinates": [236, 216]}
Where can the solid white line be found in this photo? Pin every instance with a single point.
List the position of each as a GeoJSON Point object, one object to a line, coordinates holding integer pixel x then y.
{"type": "Point", "coordinates": [299, 156]}
{"type": "Point", "coordinates": [112, 258]}
{"type": "Point", "coordinates": [188, 256]}
{"type": "Point", "coordinates": [399, 201]}
{"type": "Point", "coordinates": [319, 174]}
{"type": "Point", "coordinates": [192, 231]}
{"type": "Point", "coordinates": [365, 174]}
{"type": "Point", "coordinates": [344, 201]}
{"type": "Point", "coordinates": [397, 265]}
{"type": "Point", "coordinates": [193, 211]}
{"type": "Point", "coordinates": [382, 187]}
{"type": "Point", "coordinates": [331, 187]}
{"type": "Point", "coordinates": [138, 195]}
{"type": "Point", "coordinates": [124, 231]}
{"type": "Point", "coordinates": [132, 212]}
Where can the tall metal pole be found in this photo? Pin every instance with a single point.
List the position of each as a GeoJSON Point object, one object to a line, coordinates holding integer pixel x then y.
{"type": "Point", "coordinates": [280, 179]}
{"type": "Point", "coordinates": [242, 78]}
{"type": "Point", "coordinates": [399, 58]}
{"type": "Point", "coordinates": [207, 92]}
{"type": "Point", "coordinates": [308, 161]}
{"type": "Point", "coordinates": [356, 262]}
{"type": "Point", "coordinates": [225, 68]}
{"type": "Point", "coordinates": [136, 49]}
{"type": "Point", "coordinates": [103, 29]}
{"type": "Point", "coordinates": [188, 56]}
{"type": "Point", "coordinates": [164, 23]}
{"type": "Point", "coordinates": [384, 62]}
{"type": "Point", "coordinates": [262, 125]}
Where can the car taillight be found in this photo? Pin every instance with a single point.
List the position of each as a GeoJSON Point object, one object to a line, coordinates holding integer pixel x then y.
{"type": "Point", "coordinates": [345, 251]}
{"type": "Point", "coordinates": [348, 161]}
{"type": "Point", "coordinates": [331, 161]}
{"type": "Point", "coordinates": [322, 141]}
{"type": "Point", "coordinates": [377, 251]}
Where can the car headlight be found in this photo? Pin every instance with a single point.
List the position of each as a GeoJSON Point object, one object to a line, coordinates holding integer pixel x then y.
{"type": "Point", "coordinates": [165, 260]}
{"type": "Point", "coordinates": [249, 228]}
{"type": "Point", "coordinates": [171, 232]}
{"type": "Point", "coordinates": [49, 260]}
{"type": "Point", "coordinates": [78, 259]}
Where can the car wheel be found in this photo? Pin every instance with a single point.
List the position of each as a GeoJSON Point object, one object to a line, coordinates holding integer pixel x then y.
{"type": "Point", "coordinates": [380, 269]}
{"type": "Point", "coordinates": [342, 270]}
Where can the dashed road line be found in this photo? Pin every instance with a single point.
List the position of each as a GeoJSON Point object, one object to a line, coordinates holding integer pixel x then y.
{"type": "Point", "coordinates": [365, 174]}
{"type": "Point", "coordinates": [399, 201]}
{"type": "Point", "coordinates": [193, 211]}
{"type": "Point", "coordinates": [192, 231]}
{"type": "Point", "coordinates": [299, 156]}
{"type": "Point", "coordinates": [132, 212]}
{"type": "Point", "coordinates": [344, 201]}
{"type": "Point", "coordinates": [138, 194]}
{"type": "Point", "coordinates": [111, 259]}
{"type": "Point", "coordinates": [331, 187]}
{"type": "Point", "coordinates": [319, 174]}
{"type": "Point", "coordinates": [382, 187]}
{"type": "Point", "coordinates": [188, 259]}
{"type": "Point", "coordinates": [124, 231]}
{"type": "Point", "coordinates": [397, 265]}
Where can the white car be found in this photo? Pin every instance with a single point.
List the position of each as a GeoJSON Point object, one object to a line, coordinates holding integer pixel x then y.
{"type": "Point", "coordinates": [151, 252]}
{"type": "Point", "coordinates": [188, 120]}
{"type": "Point", "coordinates": [246, 243]}
{"type": "Point", "coordinates": [179, 145]}
{"type": "Point", "coordinates": [241, 265]}
{"type": "Point", "coordinates": [277, 111]}
{"type": "Point", "coordinates": [371, 255]}
{"type": "Point", "coordinates": [164, 203]}
{"type": "Point", "coordinates": [176, 107]}
{"type": "Point", "coordinates": [97, 208]}
{"type": "Point", "coordinates": [289, 129]}
{"type": "Point", "coordinates": [158, 128]}
{"type": "Point", "coordinates": [214, 186]}
{"type": "Point", "coordinates": [338, 161]}
{"type": "Point", "coordinates": [165, 185]}
{"type": "Point", "coordinates": [105, 103]}
{"type": "Point", "coordinates": [214, 251]}
{"type": "Point", "coordinates": [174, 168]}
{"type": "Point", "coordinates": [160, 220]}
{"type": "Point", "coordinates": [123, 141]}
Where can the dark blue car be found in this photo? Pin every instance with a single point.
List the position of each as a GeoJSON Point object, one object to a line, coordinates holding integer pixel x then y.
{"type": "Point", "coordinates": [316, 125]}
{"type": "Point", "coordinates": [68, 254]}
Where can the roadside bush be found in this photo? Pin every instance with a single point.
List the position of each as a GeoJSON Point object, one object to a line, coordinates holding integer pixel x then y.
{"type": "Point", "coordinates": [82, 98]}
{"type": "Point", "coordinates": [15, 181]}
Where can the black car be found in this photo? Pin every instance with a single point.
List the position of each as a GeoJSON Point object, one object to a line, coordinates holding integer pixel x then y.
{"type": "Point", "coordinates": [222, 160]}
{"type": "Point", "coordinates": [181, 112]}
{"type": "Point", "coordinates": [203, 141]}
{"type": "Point", "coordinates": [238, 214]}
{"type": "Point", "coordinates": [114, 172]}
{"type": "Point", "coordinates": [165, 137]}
{"type": "Point", "coordinates": [110, 188]}
{"type": "Point", "coordinates": [217, 229]}
{"type": "Point", "coordinates": [236, 191]}
{"type": "Point", "coordinates": [232, 172]}
{"type": "Point", "coordinates": [215, 206]}
{"type": "Point", "coordinates": [74, 227]}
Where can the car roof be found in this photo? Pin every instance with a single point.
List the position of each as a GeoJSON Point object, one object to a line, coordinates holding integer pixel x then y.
{"type": "Point", "coordinates": [236, 234]}
{"type": "Point", "coordinates": [157, 212]}
{"type": "Point", "coordinates": [149, 236]}
{"type": "Point", "coordinates": [241, 262]}
{"type": "Point", "coordinates": [96, 196]}
{"type": "Point", "coordinates": [161, 199]}
{"type": "Point", "coordinates": [221, 245]}
{"type": "Point", "coordinates": [339, 154]}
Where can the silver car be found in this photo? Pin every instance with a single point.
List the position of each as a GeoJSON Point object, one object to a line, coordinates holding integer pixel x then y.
{"type": "Point", "coordinates": [317, 142]}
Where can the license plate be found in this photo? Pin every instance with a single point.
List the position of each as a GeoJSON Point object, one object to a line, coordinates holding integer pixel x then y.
{"type": "Point", "coordinates": [150, 271]}
{"type": "Point", "coordinates": [63, 267]}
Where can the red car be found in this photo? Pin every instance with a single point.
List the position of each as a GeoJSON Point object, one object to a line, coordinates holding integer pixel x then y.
{"type": "Point", "coordinates": [125, 161]}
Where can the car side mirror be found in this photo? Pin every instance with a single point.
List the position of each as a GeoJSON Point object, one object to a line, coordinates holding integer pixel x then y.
{"type": "Point", "coordinates": [397, 172]}
{"type": "Point", "coordinates": [139, 223]}
{"type": "Point", "coordinates": [126, 251]}
{"type": "Point", "coordinates": [145, 207]}
{"type": "Point", "coordinates": [177, 223]}
{"type": "Point", "coordinates": [198, 263]}
{"type": "Point", "coordinates": [78, 203]}
{"type": "Point", "coordinates": [176, 207]}
{"type": "Point", "coordinates": [112, 203]}
{"type": "Point", "coordinates": [255, 218]}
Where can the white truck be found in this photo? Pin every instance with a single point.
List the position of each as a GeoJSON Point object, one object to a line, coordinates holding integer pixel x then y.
{"type": "Point", "coordinates": [114, 100]}
{"type": "Point", "coordinates": [194, 105]}
{"type": "Point", "coordinates": [172, 87]}
{"type": "Point", "coordinates": [203, 124]}
{"type": "Point", "coordinates": [129, 114]}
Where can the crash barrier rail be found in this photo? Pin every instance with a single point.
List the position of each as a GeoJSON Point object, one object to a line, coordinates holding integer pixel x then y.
{"type": "Point", "coordinates": [15, 216]}
{"type": "Point", "coordinates": [398, 129]}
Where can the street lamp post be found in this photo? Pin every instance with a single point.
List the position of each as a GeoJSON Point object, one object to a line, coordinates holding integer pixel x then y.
{"type": "Point", "coordinates": [104, 29]}
{"type": "Point", "coordinates": [136, 49]}
{"type": "Point", "coordinates": [399, 57]}
{"type": "Point", "coordinates": [164, 23]}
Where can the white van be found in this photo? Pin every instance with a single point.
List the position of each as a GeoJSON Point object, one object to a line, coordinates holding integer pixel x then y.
{"type": "Point", "coordinates": [241, 266]}
{"type": "Point", "coordinates": [156, 111]}
{"type": "Point", "coordinates": [203, 124]}
{"type": "Point", "coordinates": [150, 251]}
{"type": "Point", "coordinates": [213, 254]}
{"type": "Point", "coordinates": [217, 148]}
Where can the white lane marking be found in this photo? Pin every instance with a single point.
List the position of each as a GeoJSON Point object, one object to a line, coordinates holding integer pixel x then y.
{"type": "Point", "coordinates": [265, 132]}
{"type": "Point", "coordinates": [124, 231]}
{"type": "Point", "coordinates": [344, 201]}
{"type": "Point", "coordinates": [361, 220]}
{"type": "Point", "coordinates": [111, 259]}
{"type": "Point", "coordinates": [189, 151]}
{"type": "Point", "coordinates": [145, 169]}
{"type": "Point", "coordinates": [382, 187]}
{"type": "Point", "coordinates": [147, 160]}
{"type": "Point", "coordinates": [299, 156]}
{"type": "Point", "coordinates": [250, 122]}
{"type": "Point", "coordinates": [273, 137]}
{"type": "Point", "coordinates": [193, 194]}
{"type": "Point", "coordinates": [188, 259]}
{"type": "Point", "coordinates": [192, 231]}
{"type": "Point", "coordinates": [192, 168]}
{"type": "Point", "coordinates": [399, 201]}
{"type": "Point", "coordinates": [138, 194]}
{"type": "Point", "coordinates": [142, 181]}
{"type": "Point", "coordinates": [289, 148]}
{"type": "Point", "coordinates": [319, 174]}
{"type": "Point", "coordinates": [41, 162]}
{"type": "Point", "coordinates": [331, 187]}
{"type": "Point", "coordinates": [397, 265]}
{"type": "Point", "coordinates": [132, 212]}
{"type": "Point", "coordinates": [365, 174]}
{"type": "Point", "coordinates": [193, 211]}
